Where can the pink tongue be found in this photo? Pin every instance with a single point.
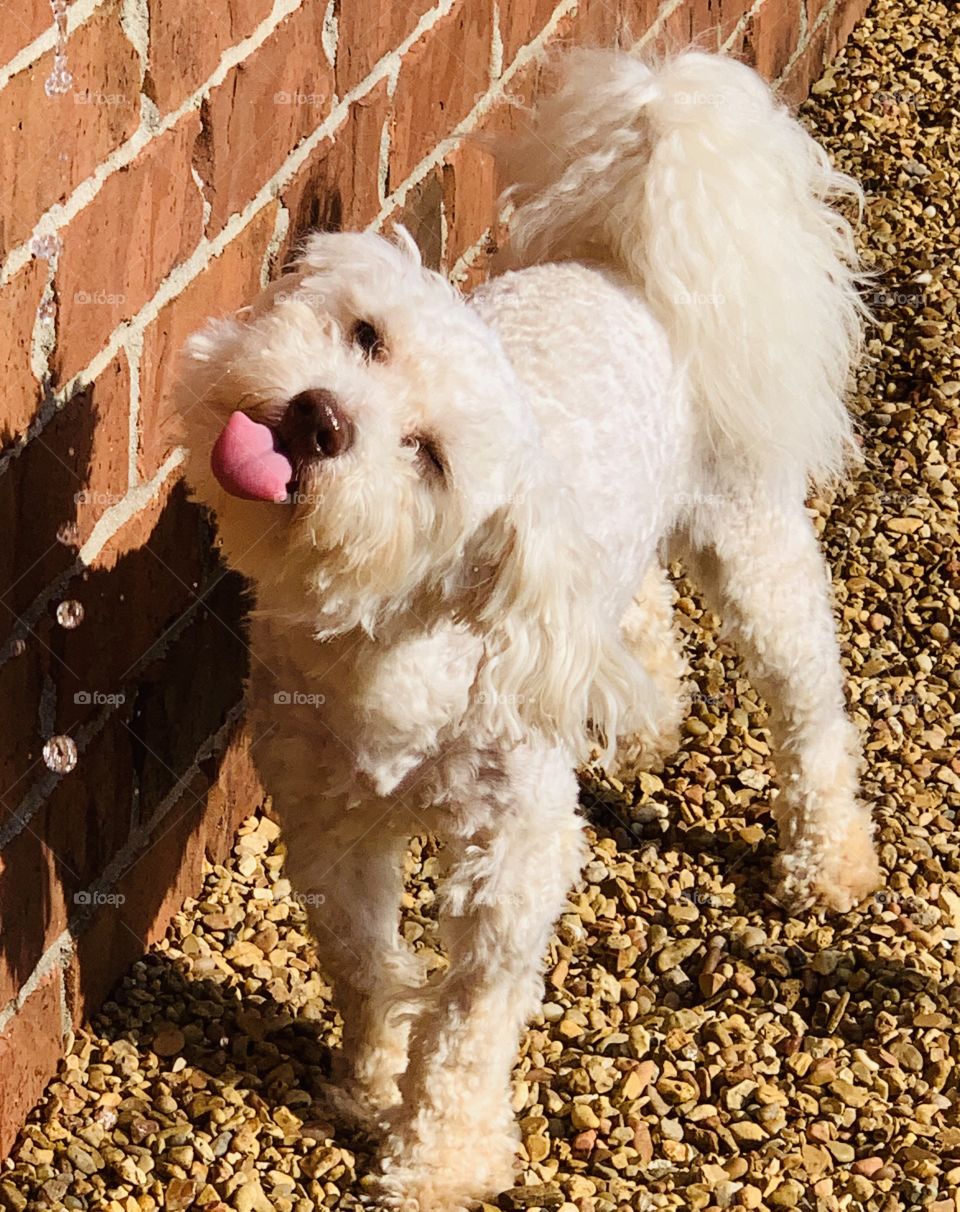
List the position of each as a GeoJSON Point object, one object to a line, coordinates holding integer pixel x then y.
{"type": "Point", "coordinates": [246, 464]}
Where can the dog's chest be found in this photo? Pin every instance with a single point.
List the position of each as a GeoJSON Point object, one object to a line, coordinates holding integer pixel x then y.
{"type": "Point", "coordinates": [367, 713]}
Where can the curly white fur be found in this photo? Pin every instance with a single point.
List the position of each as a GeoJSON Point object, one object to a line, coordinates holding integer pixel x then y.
{"type": "Point", "coordinates": [428, 650]}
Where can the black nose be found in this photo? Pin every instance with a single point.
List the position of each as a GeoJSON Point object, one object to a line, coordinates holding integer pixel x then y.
{"type": "Point", "coordinates": [315, 426]}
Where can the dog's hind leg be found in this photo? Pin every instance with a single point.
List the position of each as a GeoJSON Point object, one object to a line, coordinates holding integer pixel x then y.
{"type": "Point", "coordinates": [349, 877]}
{"type": "Point", "coordinates": [512, 856]}
{"type": "Point", "coordinates": [753, 551]}
{"type": "Point", "coordinates": [647, 627]}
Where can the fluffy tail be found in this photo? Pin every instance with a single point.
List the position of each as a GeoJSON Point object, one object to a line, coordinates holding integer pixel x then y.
{"type": "Point", "coordinates": [691, 178]}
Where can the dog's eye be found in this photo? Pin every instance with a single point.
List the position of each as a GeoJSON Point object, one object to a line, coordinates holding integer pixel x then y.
{"type": "Point", "coordinates": [367, 338]}
{"type": "Point", "coordinates": [429, 459]}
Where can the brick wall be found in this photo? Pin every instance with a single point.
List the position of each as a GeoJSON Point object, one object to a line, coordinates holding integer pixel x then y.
{"type": "Point", "coordinates": [160, 158]}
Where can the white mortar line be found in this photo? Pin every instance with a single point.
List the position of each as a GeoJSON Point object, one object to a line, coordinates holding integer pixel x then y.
{"type": "Point", "coordinates": [60, 951]}
{"type": "Point", "coordinates": [824, 15]}
{"type": "Point", "coordinates": [664, 14]}
{"type": "Point", "coordinates": [77, 14]}
{"type": "Point", "coordinates": [207, 249]}
{"type": "Point", "coordinates": [280, 229]}
{"type": "Point", "coordinates": [466, 258]}
{"type": "Point", "coordinates": [61, 213]}
{"type": "Point", "coordinates": [135, 22]}
{"type": "Point", "coordinates": [490, 98]}
{"type": "Point", "coordinates": [496, 45]}
{"type": "Point", "coordinates": [134, 352]}
{"type": "Point", "coordinates": [744, 21]}
{"type": "Point", "coordinates": [136, 499]}
{"type": "Point", "coordinates": [331, 33]}
{"type": "Point", "coordinates": [56, 956]}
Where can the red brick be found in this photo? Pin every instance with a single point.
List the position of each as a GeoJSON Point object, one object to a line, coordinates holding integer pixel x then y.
{"type": "Point", "coordinates": [264, 107]}
{"type": "Point", "coordinates": [30, 1049]}
{"type": "Point", "coordinates": [824, 42]}
{"type": "Point", "coordinates": [33, 907]}
{"type": "Point", "coordinates": [522, 20]}
{"type": "Point", "coordinates": [62, 850]}
{"type": "Point", "coordinates": [20, 680]}
{"type": "Point", "coordinates": [19, 300]}
{"type": "Point", "coordinates": [202, 824]}
{"type": "Point", "coordinates": [596, 23]}
{"type": "Point", "coordinates": [772, 36]}
{"type": "Point", "coordinates": [369, 31]}
{"type": "Point", "coordinates": [231, 280]}
{"type": "Point", "coordinates": [48, 145]}
{"type": "Point", "coordinates": [696, 21]}
{"type": "Point", "coordinates": [337, 187]}
{"type": "Point", "coordinates": [440, 81]}
{"type": "Point", "coordinates": [22, 22]}
{"type": "Point", "coordinates": [469, 197]}
{"type": "Point", "coordinates": [421, 215]}
{"type": "Point", "coordinates": [129, 605]}
{"type": "Point", "coordinates": [149, 217]}
{"type": "Point", "coordinates": [67, 476]}
{"type": "Point", "coordinates": [731, 14]}
{"type": "Point", "coordinates": [187, 40]}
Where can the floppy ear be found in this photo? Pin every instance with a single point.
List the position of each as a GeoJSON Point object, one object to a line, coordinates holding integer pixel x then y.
{"type": "Point", "coordinates": [553, 656]}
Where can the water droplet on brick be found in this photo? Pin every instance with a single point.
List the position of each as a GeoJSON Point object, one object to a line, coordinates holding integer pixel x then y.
{"type": "Point", "coordinates": [70, 614]}
{"type": "Point", "coordinates": [60, 754]}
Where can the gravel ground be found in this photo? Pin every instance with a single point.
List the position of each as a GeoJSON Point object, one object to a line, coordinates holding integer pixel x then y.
{"type": "Point", "coordinates": [697, 1048]}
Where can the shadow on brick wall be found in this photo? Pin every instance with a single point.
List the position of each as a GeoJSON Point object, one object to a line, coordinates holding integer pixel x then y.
{"type": "Point", "coordinates": [146, 685]}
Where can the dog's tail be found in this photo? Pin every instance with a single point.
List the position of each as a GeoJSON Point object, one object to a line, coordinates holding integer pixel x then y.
{"type": "Point", "coordinates": [692, 179]}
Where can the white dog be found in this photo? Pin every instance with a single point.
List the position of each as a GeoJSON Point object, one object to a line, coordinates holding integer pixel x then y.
{"type": "Point", "coordinates": [446, 507]}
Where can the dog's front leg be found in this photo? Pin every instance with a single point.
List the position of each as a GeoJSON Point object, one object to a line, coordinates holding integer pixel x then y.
{"type": "Point", "coordinates": [512, 859]}
{"type": "Point", "coordinates": [348, 873]}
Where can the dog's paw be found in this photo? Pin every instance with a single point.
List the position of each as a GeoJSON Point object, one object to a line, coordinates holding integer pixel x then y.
{"type": "Point", "coordinates": [835, 878]}
{"type": "Point", "coordinates": [448, 1177]}
{"type": "Point", "coordinates": [358, 1107]}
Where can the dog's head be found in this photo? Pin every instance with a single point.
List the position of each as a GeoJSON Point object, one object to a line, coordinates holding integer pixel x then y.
{"type": "Point", "coordinates": [372, 457]}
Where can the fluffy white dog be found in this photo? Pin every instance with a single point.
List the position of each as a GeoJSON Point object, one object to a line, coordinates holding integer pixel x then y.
{"type": "Point", "coordinates": [451, 511]}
